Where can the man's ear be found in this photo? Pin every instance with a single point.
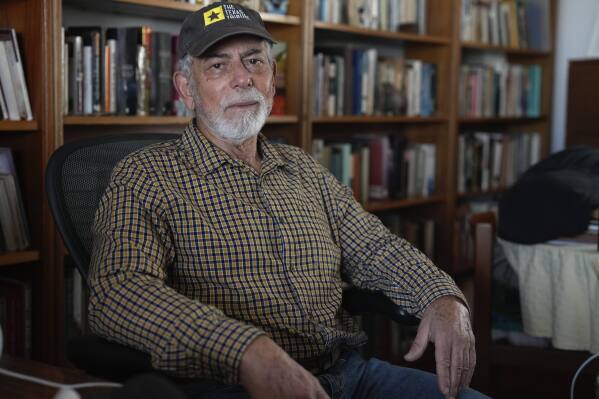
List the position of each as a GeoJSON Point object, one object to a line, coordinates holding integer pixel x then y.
{"type": "Point", "coordinates": [183, 87]}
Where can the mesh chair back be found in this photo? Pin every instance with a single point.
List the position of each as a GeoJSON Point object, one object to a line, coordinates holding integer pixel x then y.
{"type": "Point", "coordinates": [76, 177]}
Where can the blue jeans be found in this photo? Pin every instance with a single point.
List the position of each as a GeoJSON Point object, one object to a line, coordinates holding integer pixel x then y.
{"type": "Point", "coordinates": [352, 377]}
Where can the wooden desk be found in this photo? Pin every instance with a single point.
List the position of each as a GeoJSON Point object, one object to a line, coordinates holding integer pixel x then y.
{"type": "Point", "coordinates": [12, 388]}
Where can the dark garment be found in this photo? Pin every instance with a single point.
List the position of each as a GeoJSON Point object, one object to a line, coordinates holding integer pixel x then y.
{"type": "Point", "coordinates": [552, 199]}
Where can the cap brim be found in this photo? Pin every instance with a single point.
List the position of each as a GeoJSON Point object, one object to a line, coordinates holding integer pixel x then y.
{"type": "Point", "coordinates": [223, 33]}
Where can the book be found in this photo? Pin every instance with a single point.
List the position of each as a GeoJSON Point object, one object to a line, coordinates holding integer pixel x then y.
{"type": "Point", "coordinates": [274, 6]}
{"type": "Point", "coordinates": [90, 65]}
{"type": "Point", "coordinates": [8, 87]}
{"type": "Point", "coordinates": [279, 52]}
{"type": "Point", "coordinates": [74, 45]}
{"type": "Point", "coordinates": [15, 64]}
{"type": "Point", "coordinates": [162, 70]}
{"type": "Point", "coordinates": [12, 217]}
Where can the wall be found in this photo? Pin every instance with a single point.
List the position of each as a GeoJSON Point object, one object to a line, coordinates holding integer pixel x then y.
{"type": "Point", "coordinates": [574, 27]}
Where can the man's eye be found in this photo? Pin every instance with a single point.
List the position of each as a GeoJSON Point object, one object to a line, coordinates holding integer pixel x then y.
{"type": "Point", "coordinates": [256, 61]}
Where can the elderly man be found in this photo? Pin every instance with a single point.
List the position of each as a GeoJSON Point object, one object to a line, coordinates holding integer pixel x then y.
{"type": "Point", "coordinates": [223, 255]}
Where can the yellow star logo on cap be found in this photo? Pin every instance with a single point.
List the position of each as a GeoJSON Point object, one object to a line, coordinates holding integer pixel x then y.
{"type": "Point", "coordinates": [214, 15]}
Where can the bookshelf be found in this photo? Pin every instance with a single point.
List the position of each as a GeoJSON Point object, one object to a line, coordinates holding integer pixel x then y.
{"type": "Point", "coordinates": [39, 25]}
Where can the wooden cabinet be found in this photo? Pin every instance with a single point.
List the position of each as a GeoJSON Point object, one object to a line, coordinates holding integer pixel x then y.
{"type": "Point", "coordinates": [39, 24]}
{"type": "Point", "coordinates": [583, 96]}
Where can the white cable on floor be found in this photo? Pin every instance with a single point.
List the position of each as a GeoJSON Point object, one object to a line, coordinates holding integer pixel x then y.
{"type": "Point", "coordinates": [582, 366]}
{"type": "Point", "coordinates": [60, 387]}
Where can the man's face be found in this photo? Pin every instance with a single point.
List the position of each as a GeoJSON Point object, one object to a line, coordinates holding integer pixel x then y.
{"type": "Point", "coordinates": [233, 88]}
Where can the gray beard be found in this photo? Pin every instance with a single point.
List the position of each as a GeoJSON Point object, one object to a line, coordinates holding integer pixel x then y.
{"type": "Point", "coordinates": [241, 127]}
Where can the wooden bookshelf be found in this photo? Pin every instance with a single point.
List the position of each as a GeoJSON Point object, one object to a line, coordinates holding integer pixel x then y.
{"type": "Point", "coordinates": [372, 33]}
{"type": "Point", "coordinates": [506, 50]}
{"type": "Point", "coordinates": [378, 119]}
{"type": "Point", "coordinates": [151, 120]}
{"type": "Point", "coordinates": [18, 126]}
{"type": "Point", "coordinates": [17, 258]}
{"type": "Point", "coordinates": [387, 205]}
{"type": "Point", "coordinates": [476, 194]}
{"type": "Point", "coordinates": [500, 120]}
{"type": "Point", "coordinates": [39, 25]}
{"type": "Point", "coordinates": [168, 4]}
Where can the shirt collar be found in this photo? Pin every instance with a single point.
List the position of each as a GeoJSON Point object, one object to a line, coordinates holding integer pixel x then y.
{"type": "Point", "coordinates": [207, 157]}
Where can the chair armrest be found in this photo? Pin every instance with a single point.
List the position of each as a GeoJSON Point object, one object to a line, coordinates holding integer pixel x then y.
{"type": "Point", "coordinates": [102, 358]}
{"type": "Point", "coordinates": [357, 300]}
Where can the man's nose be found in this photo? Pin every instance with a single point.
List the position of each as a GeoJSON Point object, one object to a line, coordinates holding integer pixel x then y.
{"type": "Point", "coordinates": [241, 77]}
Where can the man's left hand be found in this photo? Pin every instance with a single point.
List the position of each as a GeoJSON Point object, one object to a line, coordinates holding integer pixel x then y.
{"type": "Point", "coordinates": [446, 323]}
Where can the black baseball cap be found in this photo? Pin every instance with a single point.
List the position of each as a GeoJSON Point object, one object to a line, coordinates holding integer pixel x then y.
{"type": "Point", "coordinates": [215, 22]}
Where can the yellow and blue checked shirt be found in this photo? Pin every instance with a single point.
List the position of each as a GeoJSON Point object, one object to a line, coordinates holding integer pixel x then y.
{"type": "Point", "coordinates": [196, 255]}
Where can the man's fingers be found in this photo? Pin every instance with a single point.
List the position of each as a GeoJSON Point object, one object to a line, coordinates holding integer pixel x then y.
{"type": "Point", "coordinates": [443, 363]}
{"type": "Point", "coordinates": [420, 342]}
{"type": "Point", "coordinates": [321, 394]}
{"type": "Point", "coordinates": [457, 368]}
{"type": "Point", "coordinates": [472, 360]}
{"type": "Point", "coordinates": [465, 377]}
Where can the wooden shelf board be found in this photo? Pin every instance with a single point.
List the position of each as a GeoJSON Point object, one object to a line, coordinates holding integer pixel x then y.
{"type": "Point", "coordinates": [508, 50]}
{"type": "Point", "coordinates": [181, 6]}
{"type": "Point", "coordinates": [282, 119]}
{"type": "Point", "coordinates": [125, 120]}
{"type": "Point", "coordinates": [378, 119]}
{"type": "Point", "coordinates": [21, 126]}
{"type": "Point", "coordinates": [169, 4]}
{"type": "Point", "coordinates": [477, 120]}
{"type": "Point", "coordinates": [152, 120]}
{"type": "Point", "coordinates": [474, 194]}
{"type": "Point", "coordinates": [384, 205]}
{"type": "Point", "coordinates": [409, 37]}
{"type": "Point", "coordinates": [280, 19]}
{"type": "Point", "coordinates": [15, 258]}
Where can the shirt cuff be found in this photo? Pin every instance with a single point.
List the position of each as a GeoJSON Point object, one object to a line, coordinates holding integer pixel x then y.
{"type": "Point", "coordinates": [436, 290]}
{"type": "Point", "coordinates": [230, 340]}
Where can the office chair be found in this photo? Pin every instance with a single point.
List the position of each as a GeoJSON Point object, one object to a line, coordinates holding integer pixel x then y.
{"type": "Point", "coordinates": [77, 175]}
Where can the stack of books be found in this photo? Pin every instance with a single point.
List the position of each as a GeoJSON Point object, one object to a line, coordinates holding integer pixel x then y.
{"type": "Point", "coordinates": [490, 161]}
{"type": "Point", "coordinates": [355, 81]}
{"type": "Point", "coordinates": [507, 23]}
{"type": "Point", "coordinates": [380, 167]}
{"type": "Point", "coordinates": [500, 90]}
{"type": "Point", "coordinates": [386, 15]}
{"type": "Point", "coordinates": [128, 71]}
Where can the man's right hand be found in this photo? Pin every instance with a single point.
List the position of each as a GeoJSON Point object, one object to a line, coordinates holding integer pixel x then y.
{"type": "Point", "coordinates": [267, 371]}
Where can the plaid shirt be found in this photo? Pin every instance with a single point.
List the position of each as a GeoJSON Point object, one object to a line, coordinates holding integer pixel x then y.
{"type": "Point", "coordinates": [196, 255]}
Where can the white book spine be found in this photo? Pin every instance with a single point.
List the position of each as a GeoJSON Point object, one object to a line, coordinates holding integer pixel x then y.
{"type": "Point", "coordinates": [113, 71]}
{"type": "Point", "coordinates": [87, 81]}
{"type": "Point", "coordinates": [8, 87]}
{"type": "Point", "coordinates": [18, 75]}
